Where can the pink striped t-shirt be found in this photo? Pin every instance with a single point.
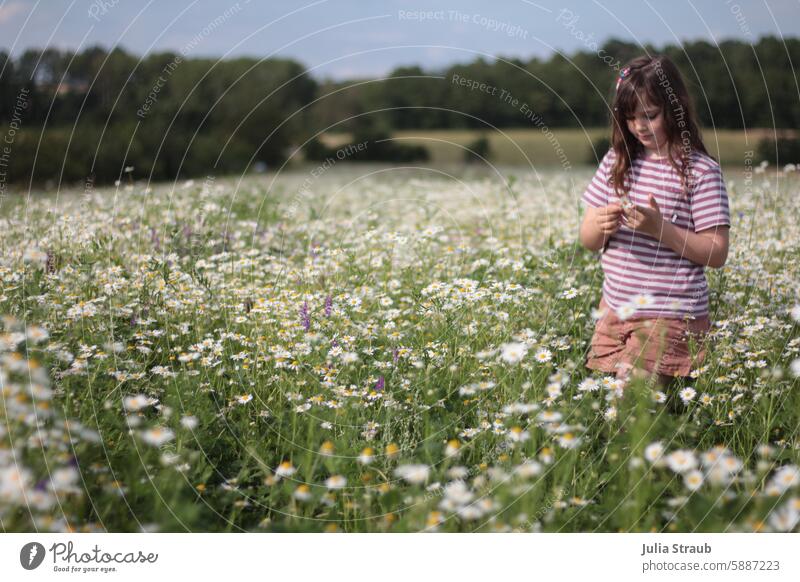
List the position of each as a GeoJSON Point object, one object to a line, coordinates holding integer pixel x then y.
{"type": "Point", "coordinates": [636, 265]}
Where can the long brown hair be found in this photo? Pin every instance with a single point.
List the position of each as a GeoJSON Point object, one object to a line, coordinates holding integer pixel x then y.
{"type": "Point", "coordinates": [655, 80]}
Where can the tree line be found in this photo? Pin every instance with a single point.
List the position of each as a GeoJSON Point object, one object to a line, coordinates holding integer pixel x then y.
{"type": "Point", "coordinates": [69, 117]}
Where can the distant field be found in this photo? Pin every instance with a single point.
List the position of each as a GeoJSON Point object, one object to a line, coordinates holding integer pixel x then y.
{"type": "Point", "coordinates": [532, 146]}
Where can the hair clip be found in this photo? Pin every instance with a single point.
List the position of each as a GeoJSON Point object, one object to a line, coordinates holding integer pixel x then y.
{"type": "Point", "coordinates": [622, 75]}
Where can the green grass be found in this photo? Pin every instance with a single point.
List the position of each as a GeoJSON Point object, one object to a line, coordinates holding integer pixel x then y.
{"type": "Point", "coordinates": [532, 147]}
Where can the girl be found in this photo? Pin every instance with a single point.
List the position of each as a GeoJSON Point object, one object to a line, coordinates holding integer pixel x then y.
{"type": "Point", "coordinates": [657, 210]}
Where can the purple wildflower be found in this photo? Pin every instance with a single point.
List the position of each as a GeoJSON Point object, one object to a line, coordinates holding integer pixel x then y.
{"type": "Point", "coordinates": [328, 305]}
{"type": "Point", "coordinates": [395, 355]}
{"type": "Point", "coordinates": [304, 316]}
{"type": "Point", "coordinates": [380, 384]}
{"type": "Point", "coordinates": [154, 238]}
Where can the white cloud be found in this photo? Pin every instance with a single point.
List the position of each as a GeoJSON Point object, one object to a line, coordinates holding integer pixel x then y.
{"type": "Point", "coordinates": [8, 11]}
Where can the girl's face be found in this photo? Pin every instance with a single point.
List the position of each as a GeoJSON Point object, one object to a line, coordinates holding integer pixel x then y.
{"type": "Point", "coordinates": [647, 124]}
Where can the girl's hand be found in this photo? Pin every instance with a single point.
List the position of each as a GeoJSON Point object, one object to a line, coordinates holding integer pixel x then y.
{"type": "Point", "coordinates": [607, 218]}
{"type": "Point", "coordinates": [645, 219]}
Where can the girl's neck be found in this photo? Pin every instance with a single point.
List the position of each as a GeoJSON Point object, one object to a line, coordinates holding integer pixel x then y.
{"type": "Point", "coordinates": [659, 155]}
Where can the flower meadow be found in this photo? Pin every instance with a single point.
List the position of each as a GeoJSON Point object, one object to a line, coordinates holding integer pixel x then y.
{"type": "Point", "coordinates": [381, 350]}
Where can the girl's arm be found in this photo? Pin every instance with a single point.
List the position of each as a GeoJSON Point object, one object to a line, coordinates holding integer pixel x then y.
{"type": "Point", "coordinates": [707, 248]}
{"type": "Point", "coordinates": [590, 235]}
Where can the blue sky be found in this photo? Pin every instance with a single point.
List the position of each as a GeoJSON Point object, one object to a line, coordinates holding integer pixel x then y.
{"type": "Point", "coordinates": [351, 38]}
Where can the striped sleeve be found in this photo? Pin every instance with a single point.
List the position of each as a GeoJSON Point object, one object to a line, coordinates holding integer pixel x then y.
{"type": "Point", "coordinates": [598, 191]}
{"type": "Point", "coordinates": [709, 202]}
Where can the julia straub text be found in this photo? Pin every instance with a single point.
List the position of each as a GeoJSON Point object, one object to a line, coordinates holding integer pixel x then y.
{"type": "Point", "coordinates": [649, 549]}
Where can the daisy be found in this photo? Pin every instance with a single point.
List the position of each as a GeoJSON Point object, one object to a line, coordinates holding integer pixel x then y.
{"type": "Point", "coordinates": [189, 422]}
{"type": "Point", "coordinates": [589, 385]}
{"type": "Point", "coordinates": [616, 386]}
{"type": "Point", "coordinates": [458, 472]}
{"type": "Point", "coordinates": [513, 352]}
{"type": "Point", "coordinates": [469, 512]}
{"type": "Point", "coordinates": [570, 293]}
{"type": "Point", "coordinates": [435, 518]}
{"type": "Point", "coordinates": [626, 311]}
{"type": "Point", "coordinates": [457, 493]}
{"type": "Point", "coordinates": [598, 313]}
{"type": "Point", "coordinates": [285, 469]}
{"type": "Point", "coordinates": [529, 468]}
{"type": "Point", "coordinates": [41, 500]}
{"type": "Point", "coordinates": [626, 203]}
{"type": "Point", "coordinates": [654, 451]}
{"type": "Point", "coordinates": [687, 394]}
{"type": "Point", "coordinates": [302, 492]}
{"type": "Point", "coordinates": [717, 476]}
{"type": "Point", "coordinates": [711, 457]}
{"type": "Point", "coordinates": [37, 334]}
{"type": "Point", "coordinates": [520, 407]}
{"type": "Point", "coordinates": [35, 255]}
{"type": "Point", "coordinates": [785, 518]}
{"type": "Point", "coordinates": [795, 368]}
{"type": "Point", "coordinates": [681, 461]}
{"type": "Point", "coordinates": [543, 355]}
{"type": "Point", "coordinates": [244, 398]}
{"type": "Point", "coordinates": [469, 433]}
{"type": "Point", "coordinates": [366, 456]}
{"type": "Point", "coordinates": [731, 464]}
{"type": "Point", "coordinates": [549, 416]}
{"type": "Point", "coordinates": [786, 477]}
{"type": "Point", "coordinates": [414, 474]}
{"type": "Point", "coordinates": [468, 390]}
{"type": "Point", "coordinates": [63, 479]}
{"type": "Point", "coordinates": [795, 312]}
{"type": "Point", "coordinates": [335, 482]}
{"type": "Point", "coordinates": [14, 482]}
{"type": "Point", "coordinates": [326, 449]}
{"type": "Point", "coordinates": [693, 480]}
{"type": "Point", "coordinates": [157, 436]}
{"type": "Point", "coordinates": [452, 449]}
{"type": "Point", "coordinates": [765, 450]}
{"type": "Point", "coordinates": [643, 300]}
{"type": "Point", "coordinates": [568, 440]}
{"type": "Point", "coordinates": [134, 403]}
{"type": "Point", "coordinates": [518, 435]}
{"type": "Point", "coordinates": [553, 390]}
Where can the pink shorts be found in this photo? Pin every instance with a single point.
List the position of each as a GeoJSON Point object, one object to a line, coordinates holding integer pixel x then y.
{"type": "Point", "coordinates": [653, 344]}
